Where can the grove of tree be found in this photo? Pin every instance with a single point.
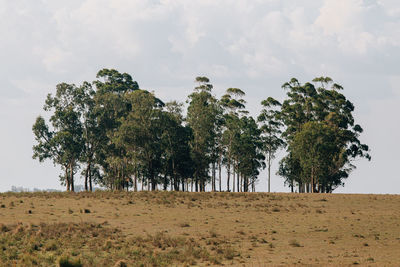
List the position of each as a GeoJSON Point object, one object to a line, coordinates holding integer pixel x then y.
{"type": "Point", "coordinates": [121, 137]}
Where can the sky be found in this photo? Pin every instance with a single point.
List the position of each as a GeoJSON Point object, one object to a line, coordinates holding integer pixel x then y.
{"type": "Point", "coordinates": [255, 45]}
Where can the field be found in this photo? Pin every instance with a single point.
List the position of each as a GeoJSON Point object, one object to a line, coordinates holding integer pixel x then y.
{"type": "Point", "coordinates": [183, 229]}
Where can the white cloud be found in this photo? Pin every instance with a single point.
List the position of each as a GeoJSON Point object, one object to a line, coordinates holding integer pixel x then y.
{"type": "Point", "coordinates": [358, 26]}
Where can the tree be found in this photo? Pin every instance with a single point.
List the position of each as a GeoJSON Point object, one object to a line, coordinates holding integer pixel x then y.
{"type": "Point", "coordinates": [234, 106]}
{"type": "Point", "coordinates": [140, 134]}
{"type": "Point", "coordinates": [315, 146]}
{"type": "Point", "coordinates": [249, 153]}
{"type": "Point", "coordinates": [201, 118]}
{"type": "Point", "coordinates": [110, 106]}
{"type": "Point", "coordinates": [93, 134]}
{"type": "Point", "coordinates": [289, 168]}
{"type": "Point", "coordinates": [62, 143]}
{"type": "Point", "coordinates": [175, 138]}
{"type": "Point", "coordinates": [322, 137]}
{"type": "Point", "coordinates": [271, 131]}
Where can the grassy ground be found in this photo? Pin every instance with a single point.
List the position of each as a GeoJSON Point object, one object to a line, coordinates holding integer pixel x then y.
{"type": "Point", "coordinates": [169, 228]}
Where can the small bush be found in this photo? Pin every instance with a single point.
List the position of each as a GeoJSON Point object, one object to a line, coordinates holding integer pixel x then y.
{"type": "Point", "coordinates": [65, 261]}
{"type": "Point", "coordinates": [4, 228]}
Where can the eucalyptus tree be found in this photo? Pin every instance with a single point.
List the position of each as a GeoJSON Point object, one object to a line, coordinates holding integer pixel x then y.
{"type": "Point", "coordinates": [62, 142]}
{"type": "Point", "coordinates": [313, 115]}
{"type": "Point", "coordinates": [271, 130]}
{"type": "Point", "coordinates": [93, 133]}
{"type": "Point", "coordinates": [140, 134]}
{"type": "Point", "coordinates": [201, 118]}
{"type": "Point", "coordinates": [250, 155]}
{"type": "Point", "coordinates": [316, 148]}
{"type": "Point", "coordinates": [218, 150]}
{"type": "Point", "coordinates": [176, 150]}
{"type": "Point", "coordinates": [110, 106]}
{"type": "Point", "coordinates": [233, 105]}
{"type": "Point", "coordinates": [290, 169]}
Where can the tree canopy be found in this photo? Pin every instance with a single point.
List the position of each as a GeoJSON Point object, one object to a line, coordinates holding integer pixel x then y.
{"type": "Point", "coordinates": [122, 137]}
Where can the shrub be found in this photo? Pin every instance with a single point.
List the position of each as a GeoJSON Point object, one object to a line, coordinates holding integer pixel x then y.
{"type": "Point", "coordinates": [65, 261]}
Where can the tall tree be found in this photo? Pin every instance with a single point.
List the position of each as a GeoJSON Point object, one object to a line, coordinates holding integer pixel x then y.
{"type": "Point", "coordinates": [321, 113]}
{"type": "Point", "coordinates": [176, 150]}
{"type": "Point", "coordinates": [62, 143]}
{"type": "Point", "coordinates": [140, 134]}
{"type": "Point", "coordinates": [93, 134]}
{"type": "Point", "coordinates": [271, 130]}
{"type": "Point", "coordinates": [201, 118]}
{"type": "Point", "coordinates": [234, 106]}
{"type": "Point", "coordinates": [111, 106]}
{"type": "Point", "coordinates": [249, 153]}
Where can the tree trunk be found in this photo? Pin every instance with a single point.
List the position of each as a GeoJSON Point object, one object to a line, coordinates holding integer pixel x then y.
{"type": "Point", "coordinates": [219, 176]}
{"type": "Point", "coordinates": [135, 181]}
{"type": "Point", "coordinates": [90, 180]}
{"type": "Point", "coordinates": [237, 178]}
{"type": "Point", "coordinates": [228, 168]}
{"type": "Point", "coordinates": [174, 180]}
{"type": "Point", "coordinates": [67, 179]}
{"type": "Point", "coordinates": [213, 177]}
{"type": "Point", "coordinates": [269, 173]}
{"type": "Point", "coordinates": [233, 177]}
{"type": "Point", "coordinates": [86, 177]}
{"type": "Point", "coordinates": [89, 174]}
{"type": "Point", "coordinates": [165, 182]}
{"type": "Point", "coordinates": [312, 180]}
{"type": "Point", "coordinates": [72, 177]}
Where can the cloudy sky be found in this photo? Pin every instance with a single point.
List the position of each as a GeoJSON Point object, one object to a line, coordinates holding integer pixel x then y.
{"type": "Point", "coordinates": [256, 45]}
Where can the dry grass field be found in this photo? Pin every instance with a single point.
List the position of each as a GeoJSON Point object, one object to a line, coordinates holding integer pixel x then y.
{"type": "Point", "coordinates": [179, 229]}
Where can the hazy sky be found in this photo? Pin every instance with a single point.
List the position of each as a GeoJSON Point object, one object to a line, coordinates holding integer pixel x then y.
{"type": "Point", "coordinates": [255, 45]}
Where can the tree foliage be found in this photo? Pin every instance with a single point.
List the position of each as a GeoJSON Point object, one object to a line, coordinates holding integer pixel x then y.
{"type": "Point", "coordinates": [122, 137]}
{"type": "Point", "coordinates": [321, 134]}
